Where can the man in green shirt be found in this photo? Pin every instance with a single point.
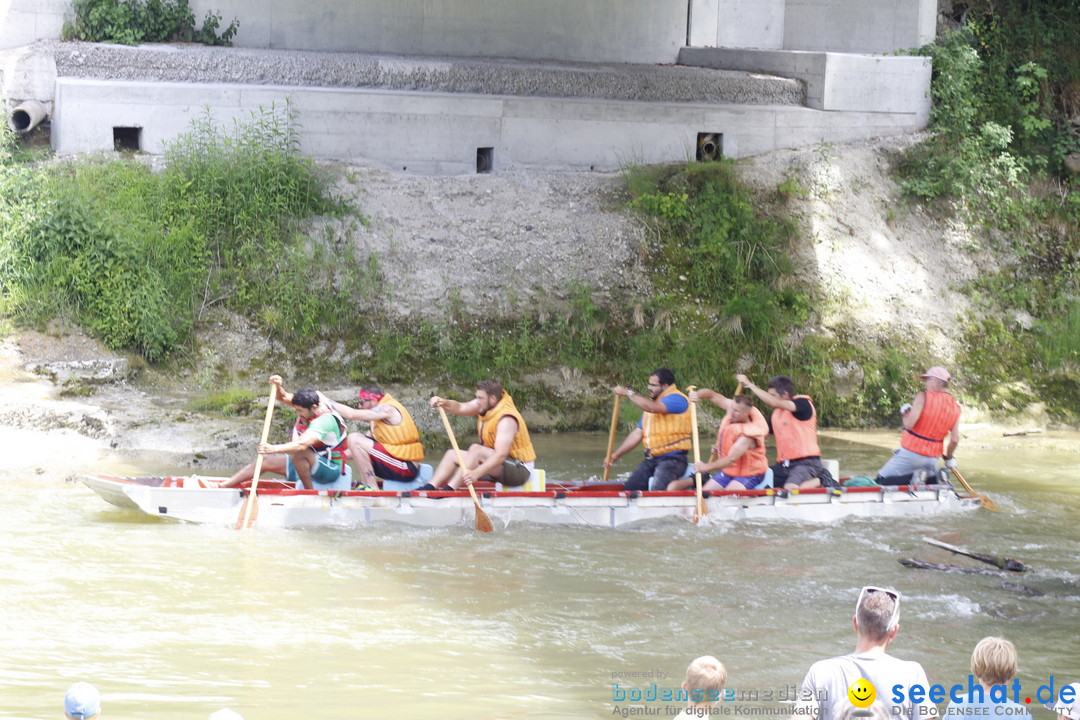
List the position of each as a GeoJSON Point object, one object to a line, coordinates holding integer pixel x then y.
{"type": "Point", "coordinates": [316, 453]}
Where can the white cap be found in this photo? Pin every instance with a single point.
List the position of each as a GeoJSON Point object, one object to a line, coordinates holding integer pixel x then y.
{"type": "Point", "coordinates": [225, 714]}
{"type": "Point", "coordinates": [1068, 709]}
{"type": "Point", "coordinates": [82, 701]}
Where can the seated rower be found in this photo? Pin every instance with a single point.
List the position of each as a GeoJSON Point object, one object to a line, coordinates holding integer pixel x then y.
{"type": "Point", "coordinates": [315, 458]}
{"type": "Point", "coordinates": [664, 431]}
{"type": "Point", "coordinates": [393, 450]}
{"type": "Point", "coordinates": [740, 447]}
{"type": "Point", "coordinates": [794, 425]}
{"type": "Point", "coordinates": [504, 454]}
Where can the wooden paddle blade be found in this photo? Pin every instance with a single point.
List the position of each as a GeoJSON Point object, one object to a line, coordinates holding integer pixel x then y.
{"type": "Point", "coordinates": [248, 512]}
{"type": "Point", "coordinates": [986, 501]}
{"type": "Point", "coordinates": [483, 522]}
{"type": "Point", "coordinates": [700, 508]}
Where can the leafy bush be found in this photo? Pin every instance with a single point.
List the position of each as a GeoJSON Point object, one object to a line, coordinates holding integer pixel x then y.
{"type": "Point", "coordinates": [135, 21]}
{"type": "Point", "coordinates": [138, 257]}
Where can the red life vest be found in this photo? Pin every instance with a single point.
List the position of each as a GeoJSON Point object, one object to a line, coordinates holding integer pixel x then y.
{"type": "Point", "coordinates": [795, 438]}
{"type": "Point", "coordinates": [939, 414]}
{"type": "Point", "coordinates": [753, 461]}
{"type": "Point", "coordinates": [335, 452]}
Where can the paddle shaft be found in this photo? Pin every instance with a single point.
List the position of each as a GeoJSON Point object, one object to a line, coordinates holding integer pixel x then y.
{"type": "Point", "coordinates": [482, 521]}
{"type": "Point", "coordinates": [611, 436]}
{"type": "Point", "coordinates": [246, 520]}
{"type": "Point", "coordinates": [699, 506]}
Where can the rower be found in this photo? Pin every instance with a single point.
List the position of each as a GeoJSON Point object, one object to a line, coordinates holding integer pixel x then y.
{"type": "Point", "coordinates": [504, 454]}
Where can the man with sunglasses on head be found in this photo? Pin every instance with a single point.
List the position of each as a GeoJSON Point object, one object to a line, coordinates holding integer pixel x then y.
{"type": "Point", "coordinates": [877, 619]}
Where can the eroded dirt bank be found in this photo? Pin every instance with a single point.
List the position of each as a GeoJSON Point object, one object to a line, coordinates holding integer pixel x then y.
{"type": "Point", "coordinates": [883, 268]}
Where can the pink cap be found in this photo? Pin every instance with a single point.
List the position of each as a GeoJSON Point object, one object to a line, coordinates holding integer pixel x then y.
{"type": "Point", "coordinates": [938, 373]}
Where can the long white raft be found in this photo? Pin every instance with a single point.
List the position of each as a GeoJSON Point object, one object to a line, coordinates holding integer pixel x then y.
{"type": "Point", "coordinates": [195, 499]}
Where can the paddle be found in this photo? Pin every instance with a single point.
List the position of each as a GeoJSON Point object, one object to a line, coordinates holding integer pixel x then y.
{"type": "Point", "coordinates": [611, 435]}
{"type": "Point", "coordinates": [483, 522]}
{"type": "Point", "coordinates": [700, 508]}
{"type": "Point", "coordinates": [986, 501]}
{"type": "Point", "coordinates": [250, 510]}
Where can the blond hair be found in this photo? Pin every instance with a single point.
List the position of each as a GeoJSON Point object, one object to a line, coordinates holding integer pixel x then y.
{"type": "Point", "coordinates": [705, 678]}
{"type": "Point", "coordinates": [994, 661]}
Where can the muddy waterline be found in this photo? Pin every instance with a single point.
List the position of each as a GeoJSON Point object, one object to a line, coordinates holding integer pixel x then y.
{"type": "Point", "coordinates": [176, 621]}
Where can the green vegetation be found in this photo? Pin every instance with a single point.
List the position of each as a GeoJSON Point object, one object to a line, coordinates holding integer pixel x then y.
{"type": "Point", "coordinates": [138, 257]}
{"type": "Point", "coordinates": [131, 22]}
{"type": "Point", "coordinates": [1006, 114]}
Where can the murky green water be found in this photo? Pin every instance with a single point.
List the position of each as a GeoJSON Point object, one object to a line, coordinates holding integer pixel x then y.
{"type": "Point", "coordinates": [174, 621]}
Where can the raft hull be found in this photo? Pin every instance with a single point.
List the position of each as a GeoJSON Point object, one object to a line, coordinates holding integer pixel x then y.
{"type": "Point", "coordinates": [198, 500]}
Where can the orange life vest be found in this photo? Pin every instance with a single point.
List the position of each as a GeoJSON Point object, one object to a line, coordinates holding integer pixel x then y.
{"type": "Point", "coordinates": [401, 440]}
{"type": "Point", "coordinates": [663, 433]}
{"type": "Point", "coordinates": [795, 438]}
{"type": "Point", "coordinates": [488, 423]}
{"type": "Point", "coordinates": [335, 452]}
{"type": "Point", "coordinates": [753, 461]}
{"type": "Point", "coordinates": [939, 414]}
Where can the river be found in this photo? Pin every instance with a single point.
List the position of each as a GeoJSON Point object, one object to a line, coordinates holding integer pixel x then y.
{"type": "Point", "coordinates": [175, 621]}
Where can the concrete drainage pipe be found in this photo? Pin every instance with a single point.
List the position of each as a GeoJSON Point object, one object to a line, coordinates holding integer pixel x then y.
{"type": "Point", "coordinates": [26, 116]}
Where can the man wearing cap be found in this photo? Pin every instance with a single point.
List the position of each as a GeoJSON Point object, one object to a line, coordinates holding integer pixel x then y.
{"type": "Point", "coordinates": [824, 692]}
{"type": "Point", "coordinates": [82, 702]}
{"type": "Point", "coordinates": [931, 416]}
{"type": "Point", "coordinates": [393, 450]}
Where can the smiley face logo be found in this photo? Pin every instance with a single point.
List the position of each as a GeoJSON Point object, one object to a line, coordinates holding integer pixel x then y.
{"type": "Point", "coordinates": [862, 693]}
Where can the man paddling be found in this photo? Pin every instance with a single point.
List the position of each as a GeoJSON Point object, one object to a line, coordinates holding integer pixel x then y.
{"type": "Point", "coordinates": [931, 416]}
{"type": "Point", "coordinates": [393, 450]}
{"type": "Point", "coordinates": [793, 423]}
{"type": "Point", "coordinates": [315, 457]}
{"type": "Point", "coordinates": [740, 450]}
{"type": "Point", "coordinates": [504, 454]}
{"type": "Point", "coordinates": [664, 430]}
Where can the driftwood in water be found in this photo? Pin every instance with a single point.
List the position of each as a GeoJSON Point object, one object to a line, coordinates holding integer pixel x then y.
{"type": "Point", "coordinates": [918, 564]}
{"type": "Point", "coordinates": [925, 565]}
{"type": "Point", "coordinates": [1000, 563]}
{"type": "Point", "coordinates": [1014, 433]}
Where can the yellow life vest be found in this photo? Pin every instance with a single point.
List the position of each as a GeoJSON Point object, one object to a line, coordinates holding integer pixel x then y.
{"type": "Point", "coordinates": [663, 433]}
{"type": "Point", "coordinates": [401, 440]}
{"type": "Point", "coordinates": [488, 423]}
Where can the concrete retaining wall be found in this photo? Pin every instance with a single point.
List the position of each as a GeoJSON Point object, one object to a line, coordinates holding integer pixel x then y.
{"type": "Point", "coordinates": [24, 21]}
{"type": "Point", "coordinates": [641, 31]}
{"type": "Point", "coordinates": [835, 81]}
{"type": "Point", "coordinates": [644, 31]}
{"type": "Point", "coordinates": [859, 26]}
{"type": "Point", "coordinates": [440, 133]}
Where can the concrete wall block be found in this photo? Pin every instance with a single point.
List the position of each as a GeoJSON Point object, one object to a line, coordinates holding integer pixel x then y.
{"type": "Point", "coordinates": [892, 84]}
{"type": "Point", "coordinates": [24, 21]}
{"type": "Point", "coordinates": [440, 133]}
{"type": "Point", "coordinates": [857, 26]}
{"type": "Point", "coordinates": [646, 31]}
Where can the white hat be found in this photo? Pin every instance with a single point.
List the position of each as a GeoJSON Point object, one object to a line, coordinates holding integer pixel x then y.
{"type": "Point", "coordinates": [82, 701]}
{"type": "Point", "coordinates": [1068, 709]}
{"type": "Point", "coordinates": [938, 373]}
{"type": "Point", "coordinates": [225, 714]}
